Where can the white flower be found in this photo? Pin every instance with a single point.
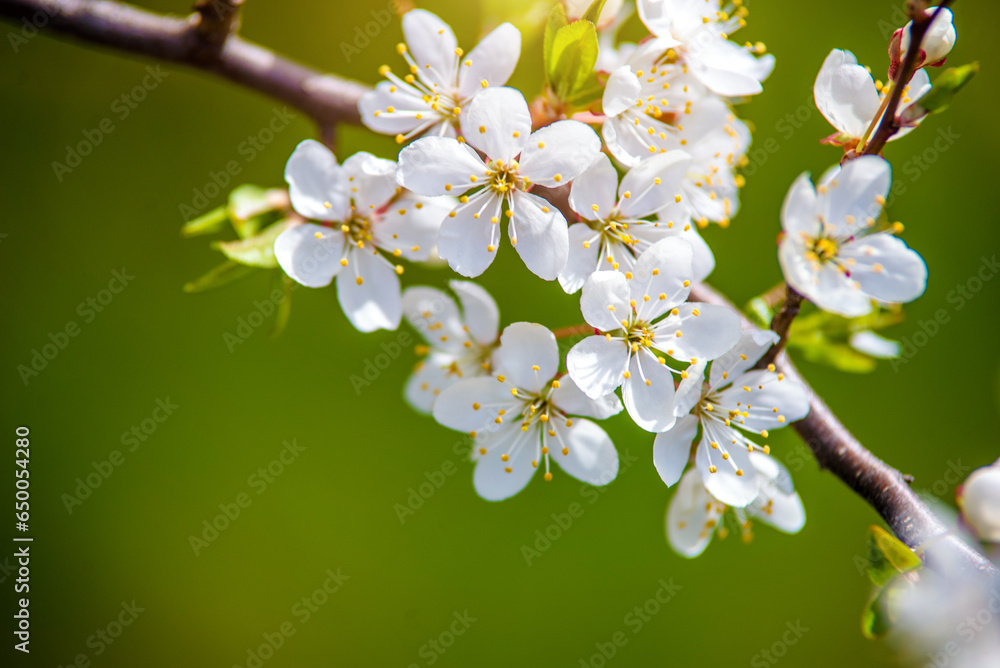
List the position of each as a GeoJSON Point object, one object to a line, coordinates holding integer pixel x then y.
{"type": "Point", "coordinates": [642, 316]}
{"type": "Point", "coordinates": [459, 343]}
{"type": "Point", "coordinates": [849, 98]}
{"type": "Point", "coordinates": [979, 499]}
{"type": "Point", "coordinates": [939, 40]}
{"type": "Point", "coordinates": [442, 81]}
{"type": "Point", "coordinates": [361, 212]}
{"type": "Point", "coordinates": [575, 9]}
{"type": "Point", "coordinates": [523, 417]}
{"type": "Point", "coordinates": [694, 515]}
{"type": "Point", "coordinates": [613, 233]}
{"type": "Point", "coordinates": [831, 251]}
{"type": "Point", "coordinates": [734, 401]}
{"type": "Point", "coordinates": [875, 345]}
{"type": "Point", "coordinates": [498, 124]}
{"type": "Point", "coordinates": [696, 31]}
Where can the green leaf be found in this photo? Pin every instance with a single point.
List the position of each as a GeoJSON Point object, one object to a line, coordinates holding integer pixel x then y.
{"type": "Point", "coordinates": [888, 556]}
{"type": "Point", "coordinates": [840, 356]}
{"type": "Point", "coordinates": [210, 223]}
{"type": "Point", "coordinates": [227, 272]}
{"type": "Point", "coordinates": [256, 251]}
{"type": "Point", "coordinates": [574, 52]}
{"type": "Point", "coordinates": [876, 620]}
{"type": "Point", "coordinates": [946, 85]}
{"type": "Point", "coordinates": [249, 207]}
{"type": "Point", "coordinates": [284, 308]}
{"type": "Point", "coordinates": [758, 311]}
{"type": "Point", "coordinates": [557, 20]}
{"type": "Point", "coordinates": [593, 13]}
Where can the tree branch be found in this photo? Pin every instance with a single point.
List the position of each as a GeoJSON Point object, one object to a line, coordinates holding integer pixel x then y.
{"type": "Point", "coordinates": [881, 486]}
{"type": "Point", "coordinates": [781, 324]}
{"type": "Point", "coordinates": [203, 41]}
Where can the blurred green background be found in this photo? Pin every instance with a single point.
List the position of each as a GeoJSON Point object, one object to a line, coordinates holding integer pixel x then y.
{"type": "Point", "coordinates": [332, 507]}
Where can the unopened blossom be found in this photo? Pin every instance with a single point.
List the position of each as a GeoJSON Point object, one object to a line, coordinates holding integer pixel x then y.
{"type": "Point", "coordinates": [442, 79]}
{"type": "Point", "coordinates": [694, 515]}
{"type": "Point", "coordinates": [939, 39]}
{"type": "Point", "coordinates": [612, 232]}
{"type": "Point", "coordinates": [575, 9]}
{"type": "Point", "coordinates": [364, 222]}
{"type": "Point", "coordinates": [850, 99]}
{"type": "Point", "coordinates": [642, 317]}
{"type": "Point", "coordinates": [834, 253]}
{"type": "Point", "coordinates": [979, 499]}
{"type": "Point", "coordinates": [496, 189]}
{"type": "Point", "coordinates": [696, 33]}
{"type": "Point", "coordinates": [735, 407]}
{"type": "Point", "coordinates": [460, 341]}
{"type": "Point", "coordinates": [525, 417]}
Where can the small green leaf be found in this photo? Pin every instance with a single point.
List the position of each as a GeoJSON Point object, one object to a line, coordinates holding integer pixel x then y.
{"type": "Point", "coordinates": [574, 52]}
{"type": "Point", "coordinates": [249, 207]}
{"type": "Point", "coordinates": [875, 620]}
{"type": "Point", "coordinates": [256, 251]}
{"type": "Point", "coordinates": [593, 13]}
{"type": "Point", "coordinates": [888, 556]}
{"type": "Point", "coordinates": [226, 272]}
{"type": "Point", "coordinates": [840, 356]}
{"type": "Point", "coordinates": [212, 222]}
{"type": "Point", "coordinates": [284, 308]}
{"type": "Point", "coordinates": [758, 311]}
{"type": "Point", "coordinates": [557, 20]}
{"type": "Point", "coordinates": [942, 91]}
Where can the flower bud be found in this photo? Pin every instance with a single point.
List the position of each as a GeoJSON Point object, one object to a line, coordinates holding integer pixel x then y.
{"type": "Point", "coordinates": [939, 40]}
{"type": "Point", "coordinates": [575, 9]}
{"type": "Point", "coordinates": [979, 499]}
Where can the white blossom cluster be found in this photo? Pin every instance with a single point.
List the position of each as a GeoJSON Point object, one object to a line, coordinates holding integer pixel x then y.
{"type": "Point", "coordinates": [658, 161]}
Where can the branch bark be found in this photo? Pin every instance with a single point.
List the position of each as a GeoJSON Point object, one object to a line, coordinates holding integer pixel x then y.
{"type": "Point", "coordinates": [881, 486]}
{"type": "Point", "coordinates": [210, 44]}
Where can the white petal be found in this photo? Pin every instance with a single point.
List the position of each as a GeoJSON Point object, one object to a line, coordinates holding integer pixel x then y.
{"type": "Point", "coordinates": [705, 336]}
{"type": "Point", "coordinates": [528, 356]}
{"type": "Point", "coordinates": [412, 224]}
{"type": "Point", "coordinates": [857, 191]}
{"type": "Point", "coordinates": [823, 284]}
{"type": "Point", "coordinates": [621, 92]}
{"type": "Point", "coordinates": [590, 455]}
{"type": "Point", "coordinates": [672, 449]}
{"type": "Point", "coordinates": [980, 502]}
{"type": "Point", "coordinates": [702, 260]}
{"type": "Point", "coordinates": [875, 345]}
{"type": "Point", "coordinates": [605, 300]}
{"type": "Point", "coordinates": [725, 485]}
{"type": "Point", "coordinates": [597, 365]}
{"type": "Point", "coordinates": [558, 153]}
{"type": "Point", "coordinates": [571, 400]}
{"type": "Point", "coordinates": [406, 103]}
{"type": "Point", "coordinates": [582, 260]}
{"type": "Point", "coordinates": [798, 213]}
{"type": "Point", "coordinates": [690, 389]}
{"type": "Point", "coordinates": [886, 268]}
{"type": "Point", "coordinates": [491, 479]}
{"type": "Point", "coordinates": [429, 379]}
{"type": "Point", "coordinates": [497, 122]}
{"type": "Point", "coordinates": [845, 94]}
{"type": "Point", "coordinates": [692, 516]}
{"type": "Point", "coordinates": [468, 243]}
{"type": "Point", "coordinates": [374, 303]}
{"type": "Point", "coordinates": [752, 345]}
{"type": "Point", "coordinates": [595, 187]}
{"type": "Point", "coordinates": [474, 404]}
{"type": "Point", "coordinates": [660, 274]}
{"type": "Point", "coordinates": [439, 166]}
{"type": "Point", "coordinates": [940, 37]}
{"type": "Point", "coordinates": [653, 183]}
{"type": "Point", "coordinates": [315, 180]}
{"type": "Point", "coordinates": [307, 258]}
{"type": "Point", "coordinates": [539, 234]}
{"type": "Point", "coordinates": [432, 44]}
{"type": "Point", "coordinates": [371, 181]}
{"type": "Point", "coordinates": [493, 60]}
{"type": "Point", "coordinates": [778, 505]}
{"type": "Point", "coordinates": [481, 314]}
{"type": "Point", "coordinates": [435, 316]}
{"type": "Point", "coordinates": [723, 68]}
{"type": "Point", "coordinates": [649, 393]}
{"type": "Point", "coordinates": [773, 403]}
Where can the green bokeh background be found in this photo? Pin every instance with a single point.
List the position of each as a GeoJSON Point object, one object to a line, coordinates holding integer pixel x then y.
{"type": "Point", "coordinates": [333, 507]}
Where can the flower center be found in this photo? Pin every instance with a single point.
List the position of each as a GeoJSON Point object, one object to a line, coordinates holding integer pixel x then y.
{"type": "Point", "coordinates": [639, 334]}
{"type": "Point", "coordinates": [359, 229]}
{"type": "Point", "coordinates": [823, 249]}
{"type": "Point", "coordinates": [503, 177]}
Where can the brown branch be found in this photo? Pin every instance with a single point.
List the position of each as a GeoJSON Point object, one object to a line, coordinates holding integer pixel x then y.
{"type": "Point", "coordinates": [781, 324]}
{"type": "Point", "coordinates": [881, 486]}
{"type": "Point", "coordinates": [203, 41]}
{"type": "Point", "coordinates": [889, 125]}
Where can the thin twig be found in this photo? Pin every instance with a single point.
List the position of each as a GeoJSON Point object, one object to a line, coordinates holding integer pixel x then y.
{"type": "Point", "coordinates": [781, 324]}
